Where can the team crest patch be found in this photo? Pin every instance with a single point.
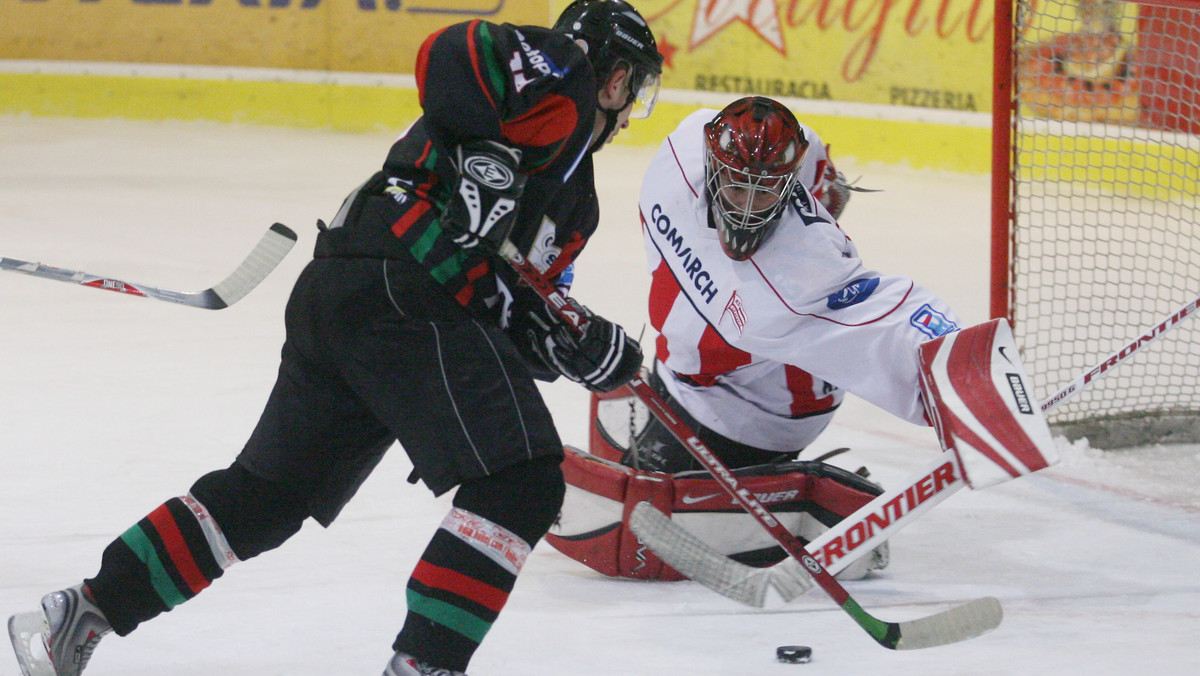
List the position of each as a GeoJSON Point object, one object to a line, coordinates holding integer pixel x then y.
{"type": "Point", "coordinates": [735, 311]}
{"type": "Point", "coordinates": [931, 322]}
{"type": "Point", "coordinates": [853, 293]}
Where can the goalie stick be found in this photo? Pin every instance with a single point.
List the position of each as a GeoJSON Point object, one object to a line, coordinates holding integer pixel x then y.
{"type": "Point", "coordinates": [859, 533]}
{"type": "Point", "coordinates": [949, 626]}
{"type": "Point", "coordinates": [265, 256]}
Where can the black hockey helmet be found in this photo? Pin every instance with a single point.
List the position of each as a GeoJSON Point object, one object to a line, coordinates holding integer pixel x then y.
{"type": "Point", "coordinates": [616, 35]}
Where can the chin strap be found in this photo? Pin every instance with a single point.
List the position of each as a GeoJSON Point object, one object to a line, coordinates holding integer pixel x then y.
{"type": "Point", "coordinates": [610, 123]}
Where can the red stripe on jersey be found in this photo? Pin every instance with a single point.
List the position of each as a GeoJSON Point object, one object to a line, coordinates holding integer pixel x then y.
{"type": "Point", "coordinates": [423, 189]}
{"type": "Point", "coordinates": [663, 292]}
{"type": "Point", "coordinates": [832, 321]}
{"type": "Point", "coordinates": [422, 69]}
{"type": "Point", "coordinates": [177, 549]}
{"type": "Point", "coordinates": [804, 397]}
{"type": "Point", "coordinates": [681, 171]}
{"type": "Point", "coordinates": [411, 216]}
{"type": "Point", "coordinates": [473, 50]}
{"type": "Point", "coordinates": [466, 293]}
{"type": "Point", "coordinates": [717, 357]}
{"type": "Point", "coordinates": [550, 122]}
{"type": "Point", "coordinates": [465, 586]}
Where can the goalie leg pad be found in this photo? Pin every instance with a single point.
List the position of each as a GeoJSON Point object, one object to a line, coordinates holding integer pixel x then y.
{"type": "Point", "coordinates": [593, 527]}
{"type": "Point", "coordinates": [982, 405]}
{"type": "Point", "coordinates": [616, 419]}
{"type": "Point", "coordinates": [807, 497]}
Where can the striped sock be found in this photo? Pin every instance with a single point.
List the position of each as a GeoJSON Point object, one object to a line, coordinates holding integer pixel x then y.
{"type": "Point", "coordinates": [168, 557]}
{"type": "Point", "coordinates": [458, 588]}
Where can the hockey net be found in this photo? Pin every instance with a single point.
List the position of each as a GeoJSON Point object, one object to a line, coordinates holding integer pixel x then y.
{"type": "Point", "coordinates": [1096, 229]}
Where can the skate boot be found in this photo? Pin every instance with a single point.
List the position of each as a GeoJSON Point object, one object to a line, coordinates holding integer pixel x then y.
{"type": "Point", "coordinates": [403, 664]}
{"type": "Point", "coordinates": [59, 640]}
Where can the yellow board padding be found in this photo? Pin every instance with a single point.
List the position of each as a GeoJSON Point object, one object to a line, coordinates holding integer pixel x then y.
{"type": "Point", "coordinates": [289, 104]}
{"type": "Point", "coordinates": [1166, 169]}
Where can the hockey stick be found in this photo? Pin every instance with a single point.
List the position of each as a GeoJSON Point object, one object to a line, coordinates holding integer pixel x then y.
{"type": "Point", "coordinates": [859, 533]}
{"type": "Point", "coordinates": [949, 626]}
{"type": "Point", "coordinates": [267, 254]}
{"type": "Point", "coordinates": [846, 542]}
{"type": "Point", "coordinates": [955, 624]}
{"type": "Point", "coordinates": [836, 549]}
{"type": "Point", "coordinates": [1101, 369]}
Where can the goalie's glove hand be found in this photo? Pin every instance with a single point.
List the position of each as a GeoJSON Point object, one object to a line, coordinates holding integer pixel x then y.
{"type": "Point", "coordinates": [483, 208]}
{"type": "Point", "coordinates": [602, 359]}
{"type": "Point", "coordinates": [833, 191]}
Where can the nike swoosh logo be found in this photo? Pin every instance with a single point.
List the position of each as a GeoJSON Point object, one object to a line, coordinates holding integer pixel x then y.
{"type": "Point", "coordinates": [1002, 349]}
{"type": "Point", "coordinates": [693, 499]}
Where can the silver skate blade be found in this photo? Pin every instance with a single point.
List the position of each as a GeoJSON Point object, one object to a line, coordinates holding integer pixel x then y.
{"type": "Point", "coordinates": [25, 631]}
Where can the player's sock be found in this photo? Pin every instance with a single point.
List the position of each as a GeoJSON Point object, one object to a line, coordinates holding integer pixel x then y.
{"type": "Point", "coordinates": [458, 589]}
{"type": "Point", "coordinates": [161, 561]}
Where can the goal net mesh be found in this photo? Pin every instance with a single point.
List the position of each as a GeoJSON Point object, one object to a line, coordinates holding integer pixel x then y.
{"type": "Point", "coordinates": [1105, 234]}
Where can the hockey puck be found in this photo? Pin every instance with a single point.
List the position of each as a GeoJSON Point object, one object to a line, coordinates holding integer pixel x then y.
{"type": "Point", "coordinates": [793, 654]}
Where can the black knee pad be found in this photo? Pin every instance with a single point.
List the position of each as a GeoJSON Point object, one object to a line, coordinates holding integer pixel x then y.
{"type": "Point", "coordinates": [524, 498]}
{"type": "Point", "coordinates": [256, 515]}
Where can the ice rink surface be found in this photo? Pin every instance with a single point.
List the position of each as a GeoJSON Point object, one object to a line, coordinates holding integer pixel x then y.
{"type": "Point", "coordinates": [110, 405]}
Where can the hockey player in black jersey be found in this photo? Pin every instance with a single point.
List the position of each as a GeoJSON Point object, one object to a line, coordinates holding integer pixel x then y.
{"type": "Point", "coordinates": [408, 327]}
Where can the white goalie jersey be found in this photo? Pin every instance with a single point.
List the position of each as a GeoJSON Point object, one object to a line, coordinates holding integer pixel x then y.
{"type": "Point", "coordinates": [761, 350]}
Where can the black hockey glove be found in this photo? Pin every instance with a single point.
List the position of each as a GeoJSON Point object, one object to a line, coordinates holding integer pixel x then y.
{"type": "Point", "coordinates": [602, 359]}
{"type": "Point", "coordinates": [483, 209]}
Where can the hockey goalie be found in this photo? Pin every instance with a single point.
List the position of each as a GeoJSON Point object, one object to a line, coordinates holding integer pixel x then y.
{"type": "Point", "coordinates": [766, 317]}
{"type": "Point", "coordinates": [980, 407]}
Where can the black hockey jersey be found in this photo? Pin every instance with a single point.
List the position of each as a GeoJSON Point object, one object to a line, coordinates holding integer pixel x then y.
{"type": "Point", "coordinates": [527, 87]}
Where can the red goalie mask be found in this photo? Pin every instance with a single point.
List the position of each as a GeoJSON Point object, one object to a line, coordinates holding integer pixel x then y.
{"type": "Point", "coordinates": [754, 150]}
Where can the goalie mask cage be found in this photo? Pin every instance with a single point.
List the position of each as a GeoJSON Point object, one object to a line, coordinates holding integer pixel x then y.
{"type": "Point", "coordinates": [1096, 232]}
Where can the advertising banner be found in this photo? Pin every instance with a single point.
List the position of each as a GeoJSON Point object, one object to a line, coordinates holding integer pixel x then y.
{"type": "Point", "coordinates": [374, 36]}
{"type": "Point", "coordinates": [924, 53]}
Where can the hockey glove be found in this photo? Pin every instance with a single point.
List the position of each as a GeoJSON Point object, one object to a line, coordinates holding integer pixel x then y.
{"type": "Point", "coordinates": [602, 359]}
{"type": "Point", "coordinates": [483, 208]}
{"type": "Point", "coordinates": [833, 191]}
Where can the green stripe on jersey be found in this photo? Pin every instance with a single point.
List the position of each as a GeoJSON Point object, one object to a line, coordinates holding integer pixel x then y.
{"type": "Point", "coordinates": [495, 73]}
{"type": "Point", "coordinates": [424, 244]}
{"type": "Point", "coordinates": [449, 268]}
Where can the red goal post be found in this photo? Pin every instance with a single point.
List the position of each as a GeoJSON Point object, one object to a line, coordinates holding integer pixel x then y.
{"type": "Point", "coordinates": [1095, 190]}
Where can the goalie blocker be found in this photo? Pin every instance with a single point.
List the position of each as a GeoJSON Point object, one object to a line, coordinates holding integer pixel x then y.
{"type": "Point", "coordinates": [982, 405]}
{"type": "Point", "coordinates": [807, 497]}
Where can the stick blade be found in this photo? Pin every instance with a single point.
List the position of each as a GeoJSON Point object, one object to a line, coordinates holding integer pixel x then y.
{"type": "Point", "coordinates": [959, 623]}
{"type": "Point", "coordinates": [266, 255]}
{"type": "Point", "coordinates": [697, 561]}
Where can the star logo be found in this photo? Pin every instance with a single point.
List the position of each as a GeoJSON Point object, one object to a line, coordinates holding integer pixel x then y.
{"type": "Point", "coordinates": [762, 16]}
{"type": "Point", "coordinates": [667, 49]}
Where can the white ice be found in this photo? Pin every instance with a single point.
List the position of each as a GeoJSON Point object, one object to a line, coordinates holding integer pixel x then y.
{"type": "Point", "coordinates": [111, 404]}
